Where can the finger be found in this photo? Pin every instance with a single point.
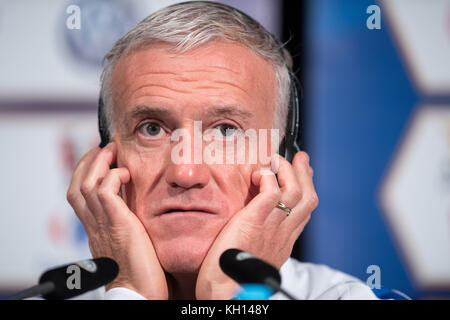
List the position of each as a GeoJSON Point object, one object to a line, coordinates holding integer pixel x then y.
{"type": "Point", "coordinates": [73, 193]}
{"type": "Point", "coordinates": [108, 194]}
{"type": "Point", "coordinates": [289, 187]}
{"type": "Point", "coordinates": [265, 201]}
{"type": "Point", "coordinates": [289, 184]}
{"type": "Point", "coordinates": [309, 199]}
{"type": "Point", "coordinates": [87, 158]}
{"type": "Point", "coordinates": [97, 171]}
{"type": "Point", "coordinates": [99, 167]}
{"type": "Point", "coordinates": [74, 196]}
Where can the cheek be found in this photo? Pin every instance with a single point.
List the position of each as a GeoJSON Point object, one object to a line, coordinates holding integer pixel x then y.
{"type": "Point", "coordinates": [236, 185]}
{"type": "Point", "coordinates": [145, 169]}
{"type": "Point", "coordinates": [246, 173]}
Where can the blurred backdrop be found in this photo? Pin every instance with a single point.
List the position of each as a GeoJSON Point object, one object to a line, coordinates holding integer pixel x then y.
{"type": "Point", "coordinates": [375, 121]}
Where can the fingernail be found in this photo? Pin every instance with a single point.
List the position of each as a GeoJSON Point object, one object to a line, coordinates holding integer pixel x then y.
{"type": "Point", "coordinates": [275, 163]}
{"type": "Point", "coordinates": [266, 172]}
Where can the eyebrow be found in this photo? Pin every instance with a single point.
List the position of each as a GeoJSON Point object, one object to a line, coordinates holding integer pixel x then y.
{"type": "Point", "coordinates": [144, 111]}
{"type": "Point", "coordinates": [230, 111]}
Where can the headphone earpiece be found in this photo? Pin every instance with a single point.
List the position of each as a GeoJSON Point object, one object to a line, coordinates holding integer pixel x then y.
{"type": "Point", "coordinates": [102, 124]}
{"type": "Point", "coordinates": [291, 141]}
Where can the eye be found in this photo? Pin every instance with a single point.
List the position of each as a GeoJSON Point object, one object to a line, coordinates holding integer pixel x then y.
{"type": "Point", "coordinates": [152, 130]}
{"type": "Point", "coordinates": [227, 130]}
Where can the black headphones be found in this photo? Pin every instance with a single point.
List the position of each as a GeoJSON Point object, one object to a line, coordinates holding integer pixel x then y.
{"type": "Point", "coordinates": [290, 144]}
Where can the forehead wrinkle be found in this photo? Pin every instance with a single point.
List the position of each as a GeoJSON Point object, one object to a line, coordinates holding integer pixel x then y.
{"type": "Point", "coordinates": [146, 74]}
{"type": "Point", "coordinates": [177, 76]}
{"type": "Point", "coordinates": [171, 74]}
{"type": "Point", "coordinates": [225, 83]}
{"type": "Point", "coordinates": [224, 69]}
{"type": "Point", "coordinates": [184, 75]}
{"type": "Point", "coordinates": [145, 86]}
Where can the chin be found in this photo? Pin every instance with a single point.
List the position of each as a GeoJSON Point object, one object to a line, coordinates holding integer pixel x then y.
{"type": "Point", "coordinates": [181, 256]}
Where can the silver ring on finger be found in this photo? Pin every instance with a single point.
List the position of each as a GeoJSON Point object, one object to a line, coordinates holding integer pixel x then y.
{"type": "Point", "coordinates": [285, 208]}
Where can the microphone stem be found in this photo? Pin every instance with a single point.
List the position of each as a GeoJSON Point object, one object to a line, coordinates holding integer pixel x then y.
{"type": "Point", "coordinates": [272, 283]}
{"type": "Point", "coordinates": [37, 290]}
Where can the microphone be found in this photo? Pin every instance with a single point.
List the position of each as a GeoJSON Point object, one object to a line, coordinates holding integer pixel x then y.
{"type": "Point", "coordinates": [73, 279]}
{"type": "Point", "coordinates": [245, 268]}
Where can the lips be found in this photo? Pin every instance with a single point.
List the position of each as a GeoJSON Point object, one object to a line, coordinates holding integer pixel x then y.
{"type": "Point", "coordinates": [186, 209]}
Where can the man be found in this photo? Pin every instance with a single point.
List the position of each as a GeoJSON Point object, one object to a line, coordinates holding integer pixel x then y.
{"type": "Point", "coordinates": [197, 68]}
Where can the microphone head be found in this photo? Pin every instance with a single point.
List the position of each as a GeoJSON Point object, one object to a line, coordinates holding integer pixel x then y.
{"type": "Point", "coordinates": [244, 267]}
{"type": "Point", "coordinates": [80, 277]}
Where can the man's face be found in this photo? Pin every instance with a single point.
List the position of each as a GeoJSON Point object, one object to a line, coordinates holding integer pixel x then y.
{"type": "Point", "coordinates": [184, 206]}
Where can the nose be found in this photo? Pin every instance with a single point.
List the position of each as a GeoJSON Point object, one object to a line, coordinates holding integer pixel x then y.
{"type": "Point", "coordinates": [187, 176]}
{"type": "Point", "coordinates": [187, 173]}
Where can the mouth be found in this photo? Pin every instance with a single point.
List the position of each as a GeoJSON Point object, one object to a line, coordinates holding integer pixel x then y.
{"type": "Point", "coordinates": [186, 210]}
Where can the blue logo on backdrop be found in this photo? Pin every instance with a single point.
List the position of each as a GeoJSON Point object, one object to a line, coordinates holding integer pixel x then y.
{"type": "Point", "coordinates": [102, 23]}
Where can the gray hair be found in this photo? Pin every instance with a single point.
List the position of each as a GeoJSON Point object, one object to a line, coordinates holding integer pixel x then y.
{"type": "Point", "coordinates": [188, 25]}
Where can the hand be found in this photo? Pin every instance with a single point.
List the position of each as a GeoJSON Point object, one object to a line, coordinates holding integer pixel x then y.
{"type": "Point", "coordinates": [260, 228]}
{"type": "Point", "coordinates": [113, 230]}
